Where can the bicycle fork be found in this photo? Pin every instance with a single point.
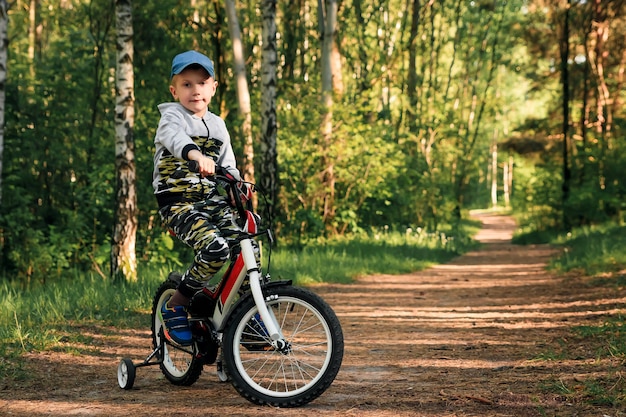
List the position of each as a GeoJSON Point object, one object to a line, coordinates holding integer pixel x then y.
{"type": "Point", "coordinates": [254, 274]}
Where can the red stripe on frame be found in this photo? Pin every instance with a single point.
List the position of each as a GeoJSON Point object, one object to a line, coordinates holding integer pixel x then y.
{"type": "Point", "coordinates": [232, 278]}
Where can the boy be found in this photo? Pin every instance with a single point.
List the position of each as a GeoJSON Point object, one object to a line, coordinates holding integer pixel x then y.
{"type": "Point", "coordinates": [187, 131]}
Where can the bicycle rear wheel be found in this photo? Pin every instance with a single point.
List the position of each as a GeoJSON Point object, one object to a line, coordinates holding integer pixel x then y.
{"type": "Point", "coordinates": [180, 366]}
{"type": "Point", "coordinates": [294, 376]}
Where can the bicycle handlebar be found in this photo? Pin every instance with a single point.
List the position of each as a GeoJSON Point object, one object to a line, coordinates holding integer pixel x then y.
{"type": "Point", "coordinates": [193, 166]}
{"type": "Point", "coordinates": [222, 174]}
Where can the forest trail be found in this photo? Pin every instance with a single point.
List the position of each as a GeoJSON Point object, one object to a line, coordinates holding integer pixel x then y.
{"type": "Point", "coordinates": [479, 336]}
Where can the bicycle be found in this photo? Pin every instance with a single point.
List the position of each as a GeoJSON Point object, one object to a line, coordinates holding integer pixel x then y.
{"type": "Point", "coordinates": [277, 344]}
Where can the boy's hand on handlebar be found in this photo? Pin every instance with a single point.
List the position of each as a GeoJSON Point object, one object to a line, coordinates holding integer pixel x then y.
{"type": "Point", "coordinates": [206, 166]}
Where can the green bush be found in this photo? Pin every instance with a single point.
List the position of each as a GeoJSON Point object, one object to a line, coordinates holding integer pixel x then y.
{"type": "Point", "coordinates": [593, 249]}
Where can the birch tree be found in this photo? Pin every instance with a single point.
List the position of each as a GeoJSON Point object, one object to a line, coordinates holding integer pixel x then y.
{"type": "Point", "coordinates": [32, 34]}
{"type": "Point", "coordinates": [327, 12]}
{"type": "Point", "coordinates": [269, 162]}
{"type": "Point", "coordinates": [123, 260]}
{"type": "Point", "coordinates": [4, 20]}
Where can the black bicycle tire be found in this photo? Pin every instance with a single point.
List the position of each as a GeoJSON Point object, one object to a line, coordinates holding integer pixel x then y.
{"type": "Point", "coordinates": [323, 382]}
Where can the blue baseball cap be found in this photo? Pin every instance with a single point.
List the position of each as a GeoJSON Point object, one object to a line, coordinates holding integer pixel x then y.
{"type": "Point", "coordinates": [182, 61]}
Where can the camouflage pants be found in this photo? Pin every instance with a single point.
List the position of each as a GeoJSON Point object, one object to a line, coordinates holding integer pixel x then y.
{"type": "Point", "coordinates": [210, 230]}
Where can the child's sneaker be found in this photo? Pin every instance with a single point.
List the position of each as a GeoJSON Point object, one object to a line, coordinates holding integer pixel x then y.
{"type": "Point", "coordinates": [255, 337]}
{"type": "Point", "coordinates": [176, 325]}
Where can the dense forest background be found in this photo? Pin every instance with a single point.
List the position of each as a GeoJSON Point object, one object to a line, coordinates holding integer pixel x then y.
{"type": "Point", "coordinates": [437, 107]}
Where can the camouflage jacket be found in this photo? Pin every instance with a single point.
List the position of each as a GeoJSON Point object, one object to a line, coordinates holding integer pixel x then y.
{"type": "Point", "coordinates": [179, 132]}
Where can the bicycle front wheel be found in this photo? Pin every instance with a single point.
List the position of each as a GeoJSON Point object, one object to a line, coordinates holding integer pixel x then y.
{"type": "Point", "coordinates": [289, 377]}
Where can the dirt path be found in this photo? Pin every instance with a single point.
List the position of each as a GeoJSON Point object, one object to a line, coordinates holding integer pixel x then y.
{"type": "Point", "coordinates": [479, 336]}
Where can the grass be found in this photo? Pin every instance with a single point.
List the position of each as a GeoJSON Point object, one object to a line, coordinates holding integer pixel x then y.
{"type": "Point", "coordinates": [594, 345]}
{"type": "Point", "coordinates": [31, 318]}
{"type": "Point", "coordinates": [599, 252]}
{"type": "Point", "coordinates": [342, 260]}
{"type": "Point", "coordinates": [594, 250]}
{"type": "Point", "coordinates": [49, 317]}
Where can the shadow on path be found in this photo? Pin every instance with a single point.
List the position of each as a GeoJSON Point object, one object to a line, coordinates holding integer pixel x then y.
{"type": "Point", "coordinates": [479, 336]}
{"type": "Point", "coordinates": [465, 333]}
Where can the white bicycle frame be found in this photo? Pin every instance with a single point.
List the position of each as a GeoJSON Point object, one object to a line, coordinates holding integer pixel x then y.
{"type": "Point", "coordinates": [228, 297]}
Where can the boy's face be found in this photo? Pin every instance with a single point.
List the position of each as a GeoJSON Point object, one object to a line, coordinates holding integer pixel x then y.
{"type": "Point", "coordinates": [194, 89]}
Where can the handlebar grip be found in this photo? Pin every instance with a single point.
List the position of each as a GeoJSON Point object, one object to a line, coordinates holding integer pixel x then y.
{"type": "Point", "coordinates": [222, 174]}
{"type": "Point", "coordinates": [193, 166]}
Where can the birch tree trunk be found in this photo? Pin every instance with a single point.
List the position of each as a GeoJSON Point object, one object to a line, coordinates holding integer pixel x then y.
{"type": "Point", "coordinates": [269, 161]}
{"type": "Point", "coordinates": [4, 41]}
{"type": "Point", "coordinates": [243, 94]}
{"type": "Point", "coordinates": [494, 172]}
{"type": "Point", "coordinates": [32, 28]}
{"type": "Point", "coordinates": [327, 23]}
{"type": "Point", "coordinates": [123, 260]}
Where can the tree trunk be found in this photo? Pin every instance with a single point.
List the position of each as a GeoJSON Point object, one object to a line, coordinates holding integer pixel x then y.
{"type": "Point", "coordinates": [269, 161]}
{"type": "Point", "coordinates": [603, 110]}
{"type": "Point", "coordinates": [243, 94]}
{"type": "Point", "coordinates": [507, 178]}
{"type": "Point", "coordinates": [412, 75]}
{"type": "Point", "coordinates": [4, 41]}
{"type": "Point", "coordinates": [123, 260]}
{"type": "Point", "coordinates": [564, 50]}
{"type": "Point", "coordinates": [585, 106]}
{"type": "Point", "coordinates": [32, 34]}
{"type": "Point", "coordinates": [494, 170]}
{"type": "Point", "coordinates": [335, 66]}
{"type": "Point", "coordinates": [328, 22]}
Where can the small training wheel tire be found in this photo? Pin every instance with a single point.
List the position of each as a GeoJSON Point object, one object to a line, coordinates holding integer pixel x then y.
{"type": "Point", "coordinates": [126, 373]}
{"type": "Point", "coordinates": [221, 373]}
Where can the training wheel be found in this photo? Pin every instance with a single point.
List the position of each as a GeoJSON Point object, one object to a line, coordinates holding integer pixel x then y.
{"type": "Point", "coordinates": [126, 373]}
{"type": "Point", "coordinates": [221, 373]}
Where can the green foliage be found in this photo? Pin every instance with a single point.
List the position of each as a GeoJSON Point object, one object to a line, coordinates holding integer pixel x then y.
{"type": "Point", "coordinates": [367, 167]}
{"type": "Point", "coordinates": [411, 148]}
{"type": "Point", "coordinates": [594, 151]}
{"type": "Point", "coordinates": [55, 208]}
{"type": "Point", "coordinates": [163, 251]}
{"type": "Point", "coordinates": [594, 250]}
{"type": "Point", "coordinates": [535, 199]}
